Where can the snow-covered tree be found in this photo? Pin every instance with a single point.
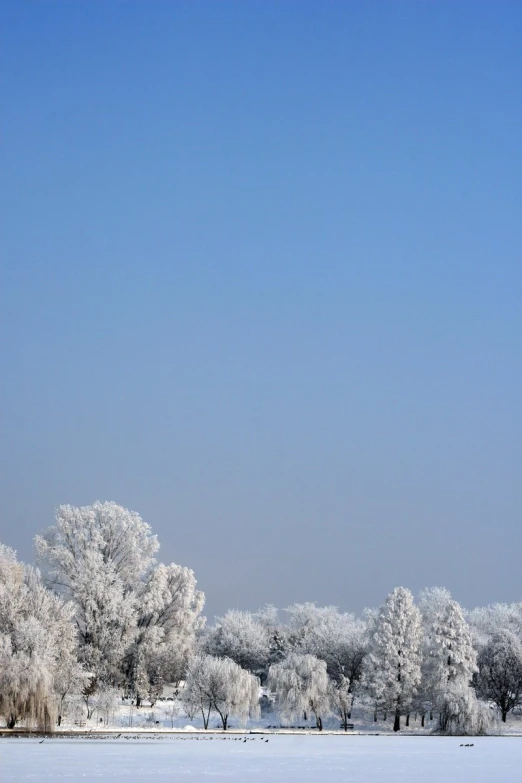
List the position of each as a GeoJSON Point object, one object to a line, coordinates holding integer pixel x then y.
{"type": "Point", "coordinates": [338, 638]}
{"type": "Point", "coordinates": [242, 637]}
{"type": "Point", "coordinates": [168, 619]}
{"type": "Point", "coordinates": [392, 670]}
{"type": "Point", "coordinates": [448, 656]}
{"type": "Point", "coordinates": [106, 702]}
{"type": "Point", "coordinates": [70, 678]}
{"type": "Point", "coordinates": [341, 700]}
{"type": "Point", "coordinates": [278, 647]}
{"type": "Point", "coordinates": [37, 643]}
{"type": "Point", "coordinates": [500, 671]}
{"type": "Point", "coordinates": [461, 713]}
{"type": "Point", "coordinates": [299, 684]}
{"type": "Point", "coordinates": [220, 685]}
{"type": "Point", "coordinates": [95, 556]}
{"type": "Point", "coordinates": [172, 711]}
{"type": "Point", "coordinates": [486, 621]}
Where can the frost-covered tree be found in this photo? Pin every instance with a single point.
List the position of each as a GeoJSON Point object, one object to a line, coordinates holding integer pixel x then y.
{"type": "Point", "coordinates": [392, 670]}
{"type": "Point", "coordinates": [106, 703]}
{"type": "Point", "coordinates": [168, 619]}
{"type": "Point", "coordinates": [341, 700]}
{"type": "Point", "coordinates": [448, 656]}
{"type": "Point", "coordinates": [242, 637]}
{"type": "Point", "coordinates": [299, 684]}
{"type": "Point", "coordinates": [338, 638]}
{"type": "Point", "coordinates": [486, 621]}
{"type": "Point", "coordinates": [172, 711]}
{"type": "Point", "coordinates": [70, 678]}
{"type": "Point", "coordinates": [95, 556]}
{"type": "Point", "coordinates": [37, 644]}
{"type": "Point", "coordinates": [461, 713]}
{"type": "Point", "coordinates": [278, 647]}
{"type": "Point", "coordinates": [220, 685]}
{"type": "Point", "coordinates": [499, 677]}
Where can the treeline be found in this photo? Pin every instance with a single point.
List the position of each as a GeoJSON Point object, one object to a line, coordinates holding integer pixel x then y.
{"type": "Point", "coordinates": [102, 620]}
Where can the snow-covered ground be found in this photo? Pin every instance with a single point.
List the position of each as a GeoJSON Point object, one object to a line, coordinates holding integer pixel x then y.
{"type": "Point", "coordinates": [283, 759]}
{"type": "Point", "coordinates": [168, 715]}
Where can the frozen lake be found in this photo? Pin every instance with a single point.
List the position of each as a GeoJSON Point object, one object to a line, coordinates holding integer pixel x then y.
{"type": "Point", "coordinates": [283, 759]}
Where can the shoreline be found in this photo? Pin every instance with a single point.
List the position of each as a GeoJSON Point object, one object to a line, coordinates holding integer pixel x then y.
{"type": "Point", "coordinates": [111, 734]}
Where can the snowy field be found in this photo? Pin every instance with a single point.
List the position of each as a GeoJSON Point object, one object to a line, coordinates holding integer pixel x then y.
{"type": "Point", "coordinates": [283, 759]}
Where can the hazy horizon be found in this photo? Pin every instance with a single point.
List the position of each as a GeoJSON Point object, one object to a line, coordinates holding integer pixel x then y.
{"type": "Point", "coordinates": [261, 283]}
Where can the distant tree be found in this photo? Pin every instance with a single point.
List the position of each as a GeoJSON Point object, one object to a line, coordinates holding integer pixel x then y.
{"type": "Point", "coordinates": [392, 670]}
{"type": "Point", "coordinates": [499, 677]}
{"type": "Point", "coordinates": [486, 621]}
{"type": "Point", "coordinates": [172, 711]}
{"type": "Point", "coordinates": [300, 684]}
{"type": "Point", "coordinates": [220, 685]}
{"type": "Point", "coordinates": [242, 637]}
{"type": "Point", "coordinates": [341, 700]}
{"type": "Point", "coordinates": [338, 638]}
{"type": "Point", "coordinates": [106, 702]}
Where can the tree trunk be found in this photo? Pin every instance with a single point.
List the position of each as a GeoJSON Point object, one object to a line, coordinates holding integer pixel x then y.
{"type": "Point", "coordinates": [11, 721]}
{"type": "Point", "coordinates": [397, 721]}
{"type": "Point", "coordinates": [375, 716]}
{"type": "Point", "coordinates": [407, 719]}
{"type": "Point", "coordinates": [319, 722]}
{"type": "Point", "coordinates": [138, 701]}
{"type": "Point", "coordinates": [422, 720]}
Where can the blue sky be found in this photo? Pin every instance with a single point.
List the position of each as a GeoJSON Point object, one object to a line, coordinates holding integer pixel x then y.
{"type": "Point", "coordinates": [261, 282]}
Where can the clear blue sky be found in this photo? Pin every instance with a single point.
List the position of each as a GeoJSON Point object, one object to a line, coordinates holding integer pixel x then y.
{"type": "Point", "coordinates": [261, 281]}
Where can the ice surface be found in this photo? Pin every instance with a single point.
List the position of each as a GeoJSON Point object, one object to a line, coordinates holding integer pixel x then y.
{"type": "Point", "coordinates": [283, 759]}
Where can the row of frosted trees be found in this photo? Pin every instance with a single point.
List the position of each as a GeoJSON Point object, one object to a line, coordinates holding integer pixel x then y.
{"type": "Point", "coordinates": [106, 620]}
{"type": "Point", "coordinates": [401, 659]}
